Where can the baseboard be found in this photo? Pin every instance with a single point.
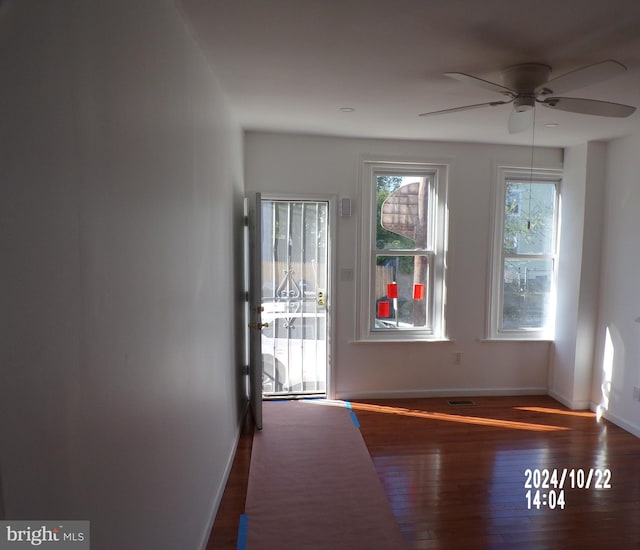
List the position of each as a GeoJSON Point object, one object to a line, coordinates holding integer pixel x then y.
{"type": "Point", "coordinates": [223, 483]}
{"type": "Point", "coordinates": [445, 392]}
{"type": "Point", "coordinates": [573, 405]}
{"type": "Point", "coordinates": [633, 429]}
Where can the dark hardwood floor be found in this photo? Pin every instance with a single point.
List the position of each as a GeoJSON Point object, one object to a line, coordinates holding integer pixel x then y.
{"type": "Point", "coordinates": [224, 534]}
{"type": "Point", "coordinates": [456, 475]}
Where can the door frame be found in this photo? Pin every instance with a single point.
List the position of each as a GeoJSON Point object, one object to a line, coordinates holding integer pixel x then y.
{"type": "Point", "coordinates": [253, 311]}
{"type": "Point", "coordinates": [332, 201]}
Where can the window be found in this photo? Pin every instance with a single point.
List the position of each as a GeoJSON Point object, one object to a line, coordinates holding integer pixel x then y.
{"type": "Point", "coordinates": [524, 254]}
{"type": "Point", "coordinates": [402, 251]}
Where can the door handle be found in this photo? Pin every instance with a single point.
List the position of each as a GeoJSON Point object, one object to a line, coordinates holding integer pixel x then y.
{"type": "Point", "coordinates": [258, 326]}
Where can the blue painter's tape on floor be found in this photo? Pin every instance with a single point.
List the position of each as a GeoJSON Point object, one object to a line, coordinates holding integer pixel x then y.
{"type": "Point", "coordinates": [242, 532]}
{"type": "Point", "coordinates": [354, 419]}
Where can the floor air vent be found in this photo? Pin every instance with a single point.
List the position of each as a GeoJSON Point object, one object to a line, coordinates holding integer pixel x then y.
{"type": "Point", "coordinates": [461, 403]}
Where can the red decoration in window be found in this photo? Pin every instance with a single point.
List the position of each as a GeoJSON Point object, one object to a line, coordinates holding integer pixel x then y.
{"type": "Point", "coordinates": [418, 291]}
{"type": "Point", "coordinates": [383, 309]}
{"type": "Point", "coordinates": [392, 290]}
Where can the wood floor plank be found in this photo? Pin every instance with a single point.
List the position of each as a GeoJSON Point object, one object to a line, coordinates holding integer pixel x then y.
{"type": "Point", "coordinates": [454, 476]}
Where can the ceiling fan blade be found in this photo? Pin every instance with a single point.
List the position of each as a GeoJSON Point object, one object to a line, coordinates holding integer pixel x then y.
{"type": "Point", "coordinates": [474, 80]}
{"type": "Point", "coordinates": [591, 74]}
{"type": "Point", "coordinates": [465, 108]}
{"type": "Point", "coordinates": [588, 106]}
{"type": "Point", "coordinates": [519, 121]}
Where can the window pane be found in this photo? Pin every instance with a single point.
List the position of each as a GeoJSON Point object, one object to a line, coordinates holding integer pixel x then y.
{"type": "Point", "coordinates": [294, 249]}
{"type": "Point", "coordinates": [526, 293]}
{"type": "Point", "coordinates": [529, 218]}
{"type": "Point", "coordinates": [402, 212]}
{"type": "Point", "coordinates": [401, 292]}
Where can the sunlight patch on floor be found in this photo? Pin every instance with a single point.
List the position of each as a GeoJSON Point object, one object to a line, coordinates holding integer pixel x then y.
{"type": "Point", "coordinates": [583, 414]}
{"type": "Point", "coordinates": [480, 421]}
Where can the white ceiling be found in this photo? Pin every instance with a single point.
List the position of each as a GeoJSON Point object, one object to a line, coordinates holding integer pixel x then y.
{"type": "Point", "coordinates": [290, 65]}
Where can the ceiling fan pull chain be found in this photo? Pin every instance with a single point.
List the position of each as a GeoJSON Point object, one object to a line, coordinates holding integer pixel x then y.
{"type": "Point", "coordinates": [533, 141]}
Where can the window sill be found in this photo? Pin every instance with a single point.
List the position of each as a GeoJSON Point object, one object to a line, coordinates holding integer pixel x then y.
{"type": "Point", "coordinates": [515, 339]}
{"type": "Point", "coordinates": [401, 341]}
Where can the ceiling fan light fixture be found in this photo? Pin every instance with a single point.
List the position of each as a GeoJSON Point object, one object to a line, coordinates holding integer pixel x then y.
{"type": "Point", "coordinates": [523, 104]}
{"type": "Point", "coordinates": [523, 108]}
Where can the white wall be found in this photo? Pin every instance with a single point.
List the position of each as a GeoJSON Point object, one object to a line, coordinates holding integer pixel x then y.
{"type": "Point", "coordinates": [617, 367]}
{"type": "Point", "coordinates": [292, 164]}
{"type": "Point", "coordinates": [582, 197]}
{"type": "Point", "coordinates": [121, 191]}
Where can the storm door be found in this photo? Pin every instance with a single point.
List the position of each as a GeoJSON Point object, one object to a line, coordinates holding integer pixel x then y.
{"type": "Point", "coordinates": [294, 297]}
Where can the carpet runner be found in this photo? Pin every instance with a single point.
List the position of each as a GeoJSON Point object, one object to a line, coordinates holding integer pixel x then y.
{"type": "Point", "coordinates": [312, 484]}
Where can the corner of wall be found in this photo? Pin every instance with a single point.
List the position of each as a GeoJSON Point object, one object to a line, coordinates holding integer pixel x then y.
{"type": "Point", "coordinates": [574, 405]}
{"type": "Point", "coordinates": [571, 366]}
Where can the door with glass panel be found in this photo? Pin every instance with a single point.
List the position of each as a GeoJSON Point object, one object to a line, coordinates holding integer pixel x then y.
{"type": "Point", "coordinates": [295, 294]}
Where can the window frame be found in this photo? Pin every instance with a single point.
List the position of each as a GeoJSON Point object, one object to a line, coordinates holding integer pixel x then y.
{"type": "Point", "coordinates": [434, 329]}
{"type": "Point", "coordinates": [499, 256]}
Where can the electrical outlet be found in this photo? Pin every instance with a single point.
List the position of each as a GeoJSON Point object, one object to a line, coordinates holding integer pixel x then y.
{"type": "Point", "coordinates": [636, 393]}
{"type": "Point", "coordinates": [457, 358]}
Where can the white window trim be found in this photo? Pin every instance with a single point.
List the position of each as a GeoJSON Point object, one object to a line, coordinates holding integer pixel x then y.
{"type": "Point", "coordinates": [495, 292]}
{"type": "Point", "coordinates": [365, 331]}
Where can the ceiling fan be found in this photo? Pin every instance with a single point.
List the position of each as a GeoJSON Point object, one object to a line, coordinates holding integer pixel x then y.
{"type": "Point", "coordinates": [528, 83]}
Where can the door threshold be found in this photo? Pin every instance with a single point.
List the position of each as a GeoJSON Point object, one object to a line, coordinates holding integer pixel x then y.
{"type": "Point", "coordinates": [291, 396]}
